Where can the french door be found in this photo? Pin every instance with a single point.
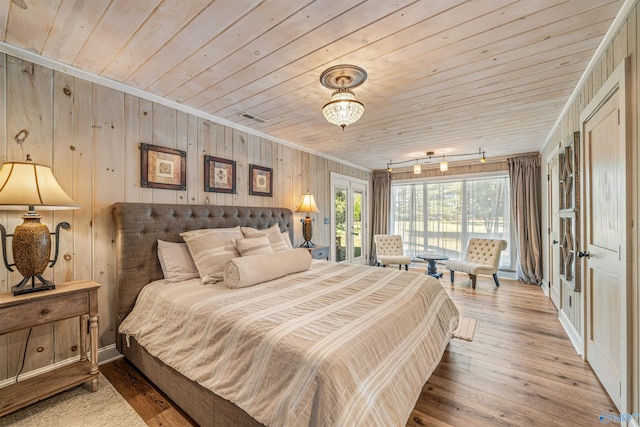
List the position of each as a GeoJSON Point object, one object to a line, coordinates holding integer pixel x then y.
{"type": "Point", "coordinates": [349, 216]}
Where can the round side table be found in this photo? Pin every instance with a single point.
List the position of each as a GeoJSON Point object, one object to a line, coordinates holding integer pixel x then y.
{"type": "Point", "coordinates": [432, 269]}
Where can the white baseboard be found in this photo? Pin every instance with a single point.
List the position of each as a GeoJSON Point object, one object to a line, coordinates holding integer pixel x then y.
{"type": "Point", "coordinates": [108, 354]}
{"type": "Point", "coordinates": [105, 354]}
{"type": "Point", "coordinates": [545, 288]}
{"type": "Point", "coordinates": [573, 335]}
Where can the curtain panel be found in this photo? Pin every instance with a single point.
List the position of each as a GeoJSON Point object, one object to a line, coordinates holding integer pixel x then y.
{"type": "Point", "coordinates": [381, 202]}
{"type": "Point", "coordinates": [524, 177]}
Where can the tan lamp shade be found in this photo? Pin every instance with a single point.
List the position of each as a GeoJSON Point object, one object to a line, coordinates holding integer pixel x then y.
{"type": "Point", "coordinates": [25, 185]}
{"type": "Point", "coordinates": [308, 205]}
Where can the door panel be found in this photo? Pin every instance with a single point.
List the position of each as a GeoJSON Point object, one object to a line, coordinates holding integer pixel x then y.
{"type": "Point", "coordinates": [357, 199]}
{"type": "Point", "coordinates": [554, 235]}
{"type": "Point", "coordinates": [605, 236]}
{"type": "Point", "coordinates": [340, 223]}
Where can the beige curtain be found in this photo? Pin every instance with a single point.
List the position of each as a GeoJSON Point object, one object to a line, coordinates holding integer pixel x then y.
{"type": "Point", "coordinates": [381, 203]}
{"type": "Point", "coordinates": [524, 176]}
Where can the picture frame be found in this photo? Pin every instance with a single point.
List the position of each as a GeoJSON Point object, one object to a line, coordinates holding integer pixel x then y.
{"type": "Point", "coordinates": [260, 181]}
{"type": "Point", "coordinates": [162, 167]}
{"type": "Point", "coordinates": [219, 175]}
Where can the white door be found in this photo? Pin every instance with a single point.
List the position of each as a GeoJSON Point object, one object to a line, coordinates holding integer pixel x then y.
{"type": "Point", "coordinates": [554, 234]}
{"type": "Point", "coordinates": [350, 220]}
{"type": "Point", "coordinates": [603, 252]}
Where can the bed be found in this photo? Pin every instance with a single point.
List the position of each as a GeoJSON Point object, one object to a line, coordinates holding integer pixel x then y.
{"type": "Point", "coordinates": [341, 376]}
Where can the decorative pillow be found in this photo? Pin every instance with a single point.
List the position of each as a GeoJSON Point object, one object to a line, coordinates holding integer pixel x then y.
{"type": "Point", "coordinates": [176, 262]}
{"type": "Point", "coordinates": [249, 271]}
{"type": "Point", "coordinates": [287, 239]}
{"type": "Point", "coordinates": [254, 246]}
{"type": "Point", "coordinates": [211, 249]}
{"type": "Point", "coordinates": [272, 233]}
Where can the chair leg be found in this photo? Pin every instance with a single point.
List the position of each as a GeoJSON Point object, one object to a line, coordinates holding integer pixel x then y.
{"type": "Point", "coordinates": [473, 280]}
{"type": "Point", "coordinates": [451, 276]}
{"type": "Point", "coordinates": [399, 266]}
{"type": "Point", "coordinates": [495, 279]}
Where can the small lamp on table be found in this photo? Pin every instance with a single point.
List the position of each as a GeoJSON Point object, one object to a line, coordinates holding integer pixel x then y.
{"type": "Point", "coordinates": [307, 205]}
{"type": "Point", "coordinates": [27, 185]}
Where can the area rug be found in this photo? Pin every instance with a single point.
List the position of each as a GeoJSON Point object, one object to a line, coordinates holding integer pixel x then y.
{"type": "Point", "coordinates": [466, 328]}
{"type": "Point", "coordinates": [78, 407]}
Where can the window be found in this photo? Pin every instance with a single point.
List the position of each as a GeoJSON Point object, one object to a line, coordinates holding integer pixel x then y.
{"type": "Point", "coordinates": [442, 215]}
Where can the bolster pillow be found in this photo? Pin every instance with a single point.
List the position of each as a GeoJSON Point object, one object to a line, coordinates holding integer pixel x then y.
{"type": "Point", "coordinates": [251, 270]}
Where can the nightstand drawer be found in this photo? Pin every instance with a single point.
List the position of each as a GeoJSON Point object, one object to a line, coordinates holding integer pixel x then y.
{"type": "Point", "coordinates": [321, 252]}
{"type": "Point", "coordinates": [43, 311]}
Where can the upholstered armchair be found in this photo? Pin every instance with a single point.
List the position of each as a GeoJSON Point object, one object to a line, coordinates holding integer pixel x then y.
{"type": "Point", "coordinates": [482, 257]}
{"type": "Point", "coordinates": [389, 251]}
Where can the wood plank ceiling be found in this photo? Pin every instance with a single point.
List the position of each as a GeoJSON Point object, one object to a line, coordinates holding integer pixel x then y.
{"type": "Point", "coordinates": [447, 76]}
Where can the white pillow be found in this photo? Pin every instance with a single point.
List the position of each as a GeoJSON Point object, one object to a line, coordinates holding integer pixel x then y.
{"type": "Point", "coordinates": [287, 239]}
{"type": "Point", "coordinates": [211, 249]}
{"type": "Point", "coordinates": [251, 270]}
{"type": "Point", "coordinates": [254, 246]}
{"type": "Point", "coordinates": [176, 262]}
{"type": "Point", "coordinates": [272, 233]}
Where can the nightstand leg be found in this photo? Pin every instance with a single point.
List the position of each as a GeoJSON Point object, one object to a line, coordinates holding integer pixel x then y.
{"type": "Point", "coordinates": [84, 320]}
{"type": "Point", "coordinates": [93, 331]}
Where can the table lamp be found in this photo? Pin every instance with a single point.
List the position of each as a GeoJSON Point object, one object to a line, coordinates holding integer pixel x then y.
{"type": "Point", "coordinates": [27, 185]}
{"type": "Point", "coordinates": [307, 205]}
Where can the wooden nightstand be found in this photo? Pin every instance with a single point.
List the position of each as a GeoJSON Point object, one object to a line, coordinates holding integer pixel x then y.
{"type": "Point", "coordinates": [319, 252]}
{"type": "Point", "coordinates": [67, 300]}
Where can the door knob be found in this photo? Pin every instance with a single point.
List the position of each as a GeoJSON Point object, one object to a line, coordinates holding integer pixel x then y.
{"type": "Point", "coordinates": [584, 254]}
{"type": "Point", "coordinates": [555, 242]}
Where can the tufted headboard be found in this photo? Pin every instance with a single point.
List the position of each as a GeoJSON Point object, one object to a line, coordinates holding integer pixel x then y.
{"type": "Point", "coordinates": [140, 225]}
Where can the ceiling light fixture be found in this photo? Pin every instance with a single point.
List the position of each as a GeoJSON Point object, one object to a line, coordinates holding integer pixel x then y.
{"type": "Point", "coordinates": [444, 165]}
{"type": "Point", "coordinates": [343, 109]}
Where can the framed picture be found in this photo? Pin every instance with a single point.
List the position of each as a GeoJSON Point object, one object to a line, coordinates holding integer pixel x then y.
{"type": "Point", "coordinates": [162, 167]}
{"type": "Point", "coordinates": [219, 175]}
{"type": "Point", "coordinates": [260, 181]}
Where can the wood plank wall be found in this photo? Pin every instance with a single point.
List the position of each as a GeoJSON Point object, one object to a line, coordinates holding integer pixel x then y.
{"type": "Point", "coordinates": [626, 43]}
{"type": "Point", "coordinates": [90, 135]}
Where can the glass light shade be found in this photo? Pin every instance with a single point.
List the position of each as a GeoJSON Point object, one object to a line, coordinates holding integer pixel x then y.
{"type": "Point", "coordinates": [307, 204]}
{"type": "Point", "coordinates": [24, 184]}
{"type": "Point", "coordinates": [343, 109]}
{"type": "Point", "coordinates": [417, 169]}
{"type": "Point", "coordinates": [444, 166]}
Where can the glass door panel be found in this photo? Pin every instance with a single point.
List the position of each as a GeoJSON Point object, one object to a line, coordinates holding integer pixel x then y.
{"type": "Point", "coordinates": [340, 229]}
{"type": "Point", "coordinates": [356, 226]}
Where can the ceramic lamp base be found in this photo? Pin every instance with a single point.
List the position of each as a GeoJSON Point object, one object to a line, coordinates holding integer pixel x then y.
{"type": "Point", "coordinates": [31, 252]}
{"type": "Point", "coordinates": [307, 233]}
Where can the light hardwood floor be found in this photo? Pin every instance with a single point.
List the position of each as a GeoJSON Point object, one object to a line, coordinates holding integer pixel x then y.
{"type": "Point", "coordinates": [519, 370]}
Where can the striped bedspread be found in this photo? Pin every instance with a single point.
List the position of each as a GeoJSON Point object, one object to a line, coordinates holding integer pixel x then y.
{"type": "Point", "coordinates": [336, 345]}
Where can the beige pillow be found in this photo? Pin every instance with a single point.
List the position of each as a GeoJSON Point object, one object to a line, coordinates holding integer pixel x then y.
{"type": "Point", "coordinates": [272, 233]}
{"type": "Point", "coordinates": [249, 271]}
{"type": "Point", "coordinates": [211, 249]}
{"type": "Point", "coordinates": [287, 239]}
{"type": "Point", "coordinates": [176, 262]}
{"type": "Point", "coordinates": [254, 246]}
